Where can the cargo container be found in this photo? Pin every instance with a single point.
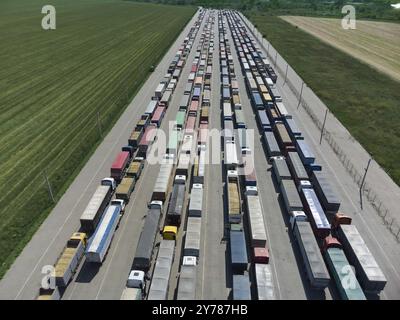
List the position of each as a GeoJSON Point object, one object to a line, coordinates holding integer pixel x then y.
{"type": "Point", "coordinates": [341, 271]}
{"type": "Point", "coordinates": [230, 153]}
{"type": "Point", "coordinates": [316, 214]}
{"type": "Point", "coordinates": [241, 287]}
{"type": "Point", "coordinates": [135, 138]}
{"type": "Point", "coordinates": [135, 168]}
{"type": "Point", "coordinates": [143, 122]}
{"type": "Point", "coordinates": [176, 74]}
{"type": "Point", "coordinates": [49, 294]}
{"type": "Point", "coordinates": [293, 129]}
{"type": "Point", "coordinates": [68, 262]}
{"type": "Point", "coordinates": [196, 201]}
{"type": "Point", "coordinates": [256, 100]}
{"type": "Point", "coordinates": [264, 282]}
{"type": "Point", "coordinates": [119, 165]}
{"type": "Point", "coordinates": [196, 93]}
{"type": "Point", "coordinates": [239, 261]}
{"type": "Point", "coordinates": [184, 162]}
{"type": "Point", "coordinates": [314, 264]}
{"type": "Point", "coordinates": [281, 169]}
{"type": "Point", "coordinates": [187, 283]}
{"type": "Point", "coordinates": [173, 142]}
{"type": "Point", "coordinates": [198, 82]}
{"type": "Point", "coordinates": [240, 120]}
{"type": "Point", "coordinates": [166, 98]}
{"type": "Point", "coordinates": [194, 106]}
{"type": "Point", "coordinates": [284, 114]}
{"type": "Point", "coordinates": [291, 197]}
{"type": "Point", "coordinates": [325, 192]}
{"type": "Point", "coordinates": [175, 208]}
{"type": "Point", "coordinates": [368, 272]}
{"type": "Point", "coordinates": [96, 206]}
{"type": "Point", "coordinates": [226, 95]}
{"type": "Point", "coordinates": [158, 116]}
{"type": "Point", "coordinates": [188, 89]}
{"type": "Point", "coordinates": [162, 270]}
{"type": "Point", "coordinates": [163, 181]}
{"type": "Point", "coordinates": [234, 198]}
{"type": "Point", "coordinates": [271, 145]}
{"type": "Point", "coordinates": [263, 121]}
{"type": "Point", "coordinates": [192, 237]}
{"type": "Point", "coordinates": [100, 242]}
{"type": "Point", "coordinates": [204, 114]}
{"type": "Point", "coordinates": [183, 104]}
{"type": "Point", "coordinates": [146, 141]}
{"type": "Point", "coordinates": [258, 235]}
{"type": "Point", "coordinates": [282, 135]}
{"type": "Point", "coordinates": [125, 188]}
{"type": "Point", "coordinates": [260, 255]}
{"type": "Point", "coordinates": [305, 152]}
{"type": "Point", "coordinates": [190, 124]}
{"type": "Point", "coordinates": [151, 107]}
{"type": "Point", "coordinates": [160, 90]}
{"type": "Point", "coordinates": [144, 248]}
{"type": "Point", "coordinates": [296, 167]}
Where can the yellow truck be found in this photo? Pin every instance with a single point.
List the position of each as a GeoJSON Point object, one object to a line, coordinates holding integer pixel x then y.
{"type": "Point", "coordinates": [135, 168]}
{"type": "Point", "coordinates": [170, 232]}
{"type": "Point", "coordinates": [125, 188]}
{"type": "Point", "coordinates": [234, 200]}
{"type": "Point", "coordinates": [69, 259]}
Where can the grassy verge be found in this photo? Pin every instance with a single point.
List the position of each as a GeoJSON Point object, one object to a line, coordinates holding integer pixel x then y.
{"type": "Point", "coordinates": [53, 85]}
{"type": "Point", "coordinates": [364, 100]}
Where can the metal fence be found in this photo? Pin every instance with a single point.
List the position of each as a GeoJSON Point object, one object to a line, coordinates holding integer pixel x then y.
{"type": "Point", "coordinates": [387, 217]}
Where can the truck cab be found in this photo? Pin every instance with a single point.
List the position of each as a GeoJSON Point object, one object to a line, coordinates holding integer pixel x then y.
{"type": "Point", "coordinates": [304, 184]}
{"type": "Point", "coordinates": [330, 242]}
{"type": "Point", "coordinates": [251, 191]}
{"type": "Point", "coordinates": [155, 204]}
{"type": "Point", "coordinates": [109, 182]}
{"type": "Point", "coordinates": [180, 179]}
{"type": "Point", "coordinates": [170, 232]}
{"type": "Point", "coordinates": [119, 202]}
{"type": "Point", "coordinates": [129, 149]}
{"type": "Point", "coordinates": [340, 218]}
{"type": "Point", "coordinates": [189, 261]}
{"type": "Point", "coordinates": [297, 216]}
{"type": "Point", "coordinates": [136, 279]}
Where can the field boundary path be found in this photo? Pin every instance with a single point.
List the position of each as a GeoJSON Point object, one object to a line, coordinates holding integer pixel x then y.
{"type": "Point", "coordinates": [378, 188]}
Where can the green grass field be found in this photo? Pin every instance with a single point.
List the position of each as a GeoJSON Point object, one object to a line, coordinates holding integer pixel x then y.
{"type": "Point", "coordinates": [364, 100]}
{"type": "Point", "coordinates": [53, 84]}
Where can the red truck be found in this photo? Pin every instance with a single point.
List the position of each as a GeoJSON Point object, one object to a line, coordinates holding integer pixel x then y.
{"type": "Point", "coordinates": [190, 123]}
{"type": "Point", "coordinates": [158, 116]}
{"type": "Point", "coordinates": [119, 165]}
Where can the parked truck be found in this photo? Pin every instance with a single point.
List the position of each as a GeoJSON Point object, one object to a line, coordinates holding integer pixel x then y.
{"type": "Point", "coordinates": [369, 274]}
{"type": "Point", "coordinates": [135, 168]}
{"type": "Point", "coordinates": [258, 236]}
{"type": "Point", "coordinates": [135, 286]}
{"type": "Point", "coordinates": [241, 287]}
{"type": "Point", "coordinates": [125, 188]}
{"type": "Point", "coordinates": [162, 270]}
{"type": "Point", "coordinates": [239, 260]}
{"type": "Point", "coordinates": [290, 196]}
{"type": "Point", "coordinates": [119, 165]}
{"type": "Point", "coordinates": [100, 242]}
{"type": "Point", "coordinates": [341, 270]}
{"type": "Point", "coordinates": [234, 197]}
{"type": "Point", "coordinates": [187, 283]}
{"type": "Point", "coordinates": [68, 261]}
{"type": "Point", "coordinates": [97, 204]}
{"type": "Point", "coordinates": [144, 248]}
{"type": "Point", "coordinates": [264, 282]}
{"type": "Point", "coordinates": [196, 200]}
{"type": "Point", "coordinates": [325, 192]}
{"type": "Point", "coordinates": [192, 237]}
{"type": "Point", "coordinates": [314, 264]}
{"type": "Point", "coordinates": [163, 182]}
{"type": "Point", "coordinates": [175, 208]}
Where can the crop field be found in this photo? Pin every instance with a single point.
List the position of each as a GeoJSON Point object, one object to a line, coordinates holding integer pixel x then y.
{"type": "Point", "coordinates": [364, 100]}
{"type": "Point", "coordinates": [53, 87]}
{"type": "Point", "coordinates": [375, 43]}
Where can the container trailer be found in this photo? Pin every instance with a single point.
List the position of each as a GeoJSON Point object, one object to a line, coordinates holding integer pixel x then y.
{"type": "Point", "coordinates": [176, 204]}
{"type": "Point", "coordinates": [296, 167]}
{"type": "Point", "coordinates": [264, 282]}
{"type": "Point", "coordinates": [314, 264]}
{"type": "Point", "coordinates": [325, 191]}
{"type": "Point", "coordinates": [135, 168]}
{"type": "Point", "coordinates": [119, 165]}
{"type": "Point", "coordinates": [239, 261]}
{"type": "Point", "coordinates": [306, 154]}
{"type": "Point", "coordinates": [196, 201]}
{"type": "Point", "coordinates": [241, 287]}
{"type": "Point", "coordinates": [144, 248]}
{"type": "Point", "coordinates": [187, 283]}
{"type": "Point", "coordinates": [146, 141]}
{"type": "Point", "coordinates": [290, 195]}
{"type": "Point", "coordinates": [271, 145]}
{"type": "Point", "coordinates": [68, 262]}
{"type": "Point", "coordinates": [135, 138]}
{"type": "Point", "coordinates": [100, 242]}
{"type": "Point", "coordinates": [125, 188]}
{"type": "Point", "coordinates": [234, 198]}
{"type": "Point", "coordinates": [192, 237]}
{"type": "Point", "coordinates": [368, 272]}
{"type": "Point", "coordinates": [258, 235]}
{"type": "Point", "coordinates": [281, 169]}
{"type": "Point", "coordinates": [163, 181]}
{"type": "Point", "coordinates": [160, 280]}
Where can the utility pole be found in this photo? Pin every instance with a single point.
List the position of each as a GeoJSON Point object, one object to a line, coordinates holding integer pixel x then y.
{"type": "Point", "coordinates": [49, 186]}
{"type": "Point", "coordinates": [99, 123]}
{"type": "Point", "coordinates": [276, 57]}
{"type": "Point", "coordinates": [268, 49]}
{"type": "Point", "coordinates": [363, 180]}
{"type": "Point", "coordinates": [301, 93]}
{"type": "Point", "coordinates": [287, 66]}
{"type": "Point", "coordinates": [323, 126]}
